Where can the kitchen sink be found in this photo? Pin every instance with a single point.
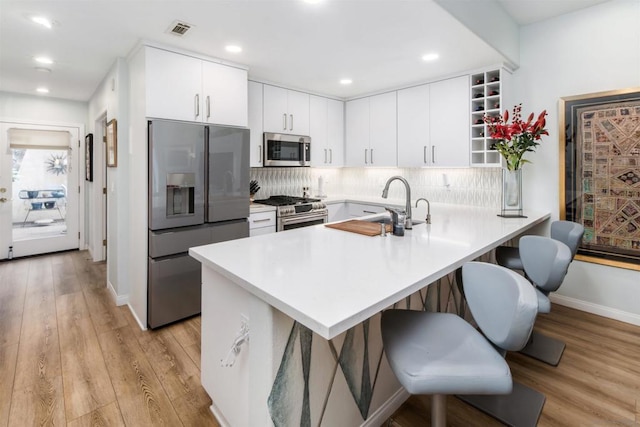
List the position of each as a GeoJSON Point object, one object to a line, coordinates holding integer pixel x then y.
{"type": "Point", "coordinates": [387, 220]}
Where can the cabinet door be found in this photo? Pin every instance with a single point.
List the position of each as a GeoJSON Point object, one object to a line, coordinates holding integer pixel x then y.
{"type": "Point", "coordinates": [382, 128]}
{"type": "Point", "coordinates": [298, 112]}
{"type": "Point", "coordinates": [174, 84]}
{"type": "Point", "coordinates": [224, 91]}
{"type": "Point", "coordinates": [275, 118]}
{"type": "Point", "coordinates": [413, 127]}
{"type": "Point", "coordinates": [335, 132]}
{"type": "Point", "coordinates": [357, 131]}
{"type": "Point", "coordinates": [255, 124]}
{"type": "Point", "coordinates": [449, 111]}
{"type": "Point", "coordinates": [318, 126]}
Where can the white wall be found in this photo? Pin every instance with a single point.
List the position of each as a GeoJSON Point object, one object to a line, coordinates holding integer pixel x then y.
{"type": "Point", "coordinates": [112, 97]}
{"type": "Point", "coordinates": [593, 50]}
{"type": "Point", "coordinates": [42, 109]}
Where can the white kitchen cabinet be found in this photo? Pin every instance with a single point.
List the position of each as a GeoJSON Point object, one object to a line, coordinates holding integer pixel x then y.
{"type": "Point", "coordinates": [224, 91]}
{"type": "Point", "coordinates": [371, 131]}
{"type": "Point", "coordinates": [262, 223]}
{"type": "Point", "coordinates": [449, 122]}
{"type": "Point", "coordinates": [285, 111]}
{"type": "Point", "coordinates": [182, 87]}
{"type": "Point", "coordinates": [414, 142]}
{"type": "Point", "coordinates": [326, 126]}
{"type": "Point", "coordinates": [255, 124]}
{"type": "Point", "coordinates": [337, 212]}
{"type": "Point", "coordinates": [355, 210]}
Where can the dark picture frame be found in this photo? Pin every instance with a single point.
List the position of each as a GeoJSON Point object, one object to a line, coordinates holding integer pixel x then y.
{"type": "Point", "coordinates": [112, 143]}
{"type": "Point", "coordinates": [600, 174]}
{"type": "Point", "coordinates": [88, 157]}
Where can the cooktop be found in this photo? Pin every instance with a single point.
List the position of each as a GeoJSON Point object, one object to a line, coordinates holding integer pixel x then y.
{"type": "Point", "coordinates": [285, 200]}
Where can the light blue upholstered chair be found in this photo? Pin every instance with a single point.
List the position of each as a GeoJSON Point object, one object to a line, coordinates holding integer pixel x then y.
{"type": "Point", "coordinates": [545, 262]}
{"type": "Point", "coordinates": [441, 354]}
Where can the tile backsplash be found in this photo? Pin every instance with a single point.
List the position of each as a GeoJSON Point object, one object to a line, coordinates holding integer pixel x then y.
{"type": "Point", "coordinates": [468, 186]}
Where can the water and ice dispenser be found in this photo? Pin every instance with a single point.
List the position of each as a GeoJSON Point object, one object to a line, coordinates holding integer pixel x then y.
{"type": "Point", "coordinates": [180, 194]}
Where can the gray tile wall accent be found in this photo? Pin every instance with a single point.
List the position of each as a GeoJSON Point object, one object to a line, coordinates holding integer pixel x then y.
{"type": "Point", "coordinates": [463, 186]}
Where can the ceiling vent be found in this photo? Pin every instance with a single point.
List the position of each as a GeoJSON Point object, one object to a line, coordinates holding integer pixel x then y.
{"type": "Point", "coordinates": [178, 28]}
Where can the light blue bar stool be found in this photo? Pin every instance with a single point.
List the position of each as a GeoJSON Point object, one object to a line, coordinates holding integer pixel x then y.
{"type": "Point", "coordinates": [441, 354]}
{"type": "Point", "coordinates": [568, 232]}
{"type": "Point", "coordinates": [545, 262]}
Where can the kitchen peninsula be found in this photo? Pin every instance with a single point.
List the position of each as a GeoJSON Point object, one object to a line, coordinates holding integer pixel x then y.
{"type": "Point", "coordinates": [311, 299]}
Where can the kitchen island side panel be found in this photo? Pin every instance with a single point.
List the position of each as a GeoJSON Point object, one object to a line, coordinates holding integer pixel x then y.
{"type": "Point", "coordinates": [286, 374]}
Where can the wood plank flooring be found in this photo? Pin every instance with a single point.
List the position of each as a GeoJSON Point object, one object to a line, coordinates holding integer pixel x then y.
{"type": "Point", "coordinates": [69, 356]}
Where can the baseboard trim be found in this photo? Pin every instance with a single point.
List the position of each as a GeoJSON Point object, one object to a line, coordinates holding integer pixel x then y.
{"type": "Point", "coordinates": [117, 299]}
{"type": "Point", "coordinates": [143, 325]}
{"type": "Point", "coordinates": [387, 409]}
{"type": "Point", "coordinates": [600, 310]}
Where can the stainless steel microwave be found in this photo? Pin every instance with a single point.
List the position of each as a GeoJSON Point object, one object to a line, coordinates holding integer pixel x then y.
{"type": "Point", "coordinates": [281, 150]}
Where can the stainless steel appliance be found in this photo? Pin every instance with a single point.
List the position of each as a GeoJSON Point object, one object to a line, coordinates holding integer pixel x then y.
{"type": "Point", "coordinates": [295, 212]}
{"type": "Point", "coordinates": [198, 194]}
{"type": "Point", "coordinates": [283, 150]}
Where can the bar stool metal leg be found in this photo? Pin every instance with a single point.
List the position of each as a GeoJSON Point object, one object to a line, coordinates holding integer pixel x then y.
{"type": "Point", "coordinates": [439, 410]}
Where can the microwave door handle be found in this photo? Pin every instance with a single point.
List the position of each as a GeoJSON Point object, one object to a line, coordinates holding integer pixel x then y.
{"type": "Point", "coordinates": [302, 154]}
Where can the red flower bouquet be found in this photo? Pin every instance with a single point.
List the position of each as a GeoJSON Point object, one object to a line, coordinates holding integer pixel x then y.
{"type": "Point", "coordinates": [517, 137]}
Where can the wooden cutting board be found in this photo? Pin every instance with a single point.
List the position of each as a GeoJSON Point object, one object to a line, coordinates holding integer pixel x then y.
{"type": "Point", "coordinates": [361, 227]}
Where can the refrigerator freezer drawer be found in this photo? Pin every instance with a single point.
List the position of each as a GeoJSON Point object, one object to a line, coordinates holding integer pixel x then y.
{"type": "Point", "coordinates": [174, 290]}
{"type": "Point", "coordinates": [179, 240]}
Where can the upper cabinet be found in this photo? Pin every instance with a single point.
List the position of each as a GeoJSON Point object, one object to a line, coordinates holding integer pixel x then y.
{"type": "Point", "coordinates": [255, 124]}
{"type": "Point", "coordinates": [371, 131]}
{"type": "Point", "coordinates": [285, 111]}
{"type": "Point", "coordinates": [414, 141]}
{"type": "Point", "coordinates": [182, 87]}
{"type": "Point", "coordinates": [487, 97]}
{"type": "Point", "coordinates": [449, 122]}
{"type": "Point", "coordinates": [326, 124]}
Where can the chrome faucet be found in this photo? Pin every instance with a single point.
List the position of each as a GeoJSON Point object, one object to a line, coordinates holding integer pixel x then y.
{"type": "Point", "coordinates": [428, 209]}
{"type": "Point", "coordinates": [385, 193]}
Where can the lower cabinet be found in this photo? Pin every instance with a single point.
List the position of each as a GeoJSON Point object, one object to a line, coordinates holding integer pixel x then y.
{"type": "Point", "coordinates": [262, 223]}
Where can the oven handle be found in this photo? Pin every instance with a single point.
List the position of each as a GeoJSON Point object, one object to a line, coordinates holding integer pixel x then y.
{"type": "Point", "coordinates": [297, 219]}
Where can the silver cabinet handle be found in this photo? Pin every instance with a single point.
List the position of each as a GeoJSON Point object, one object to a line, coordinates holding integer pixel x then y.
{"type": "Point", "coordinates": [261, 220]}
{"type": "Point", "coordinates": [331, 155]}
{"type": "Point", "coordinates": [365, 155]}
{"type": "Point", "coordinates": [197, 101]}
{"type": "Point", "coordinates": [284, 121]}
{"type": "Point", "coordinates": [424, 154]}
{"type": "Point", "coordinates": [259, 153]}
{"type": "Point", "coordinates": [325, 155]}
{"type": "Point", "coordinates": [208, 106]}
{"type": "Point", "coordinates": [291, 115]}
{"type": "Point", "coordinates": [368, 212]}
{"type": "Point", "coordinates": [433, 154]}
{"type": "Point", "coordinates": [371, 156]}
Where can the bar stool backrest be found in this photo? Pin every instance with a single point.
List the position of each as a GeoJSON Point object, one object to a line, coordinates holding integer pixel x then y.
{"type": "Point", "coordinates": [568, 232]}
{"type": "Point", "coordinates": [545, 261]}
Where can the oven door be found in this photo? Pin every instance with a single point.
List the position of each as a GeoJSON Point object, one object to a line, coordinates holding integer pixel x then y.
{"type": "Point", "coordinates": [286, 150]}
{"type": "Point", "coordinates": [301, 220]}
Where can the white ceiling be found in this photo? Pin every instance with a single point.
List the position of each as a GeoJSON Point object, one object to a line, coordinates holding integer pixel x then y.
{"type": "Point", "coordinates": [377, 43]}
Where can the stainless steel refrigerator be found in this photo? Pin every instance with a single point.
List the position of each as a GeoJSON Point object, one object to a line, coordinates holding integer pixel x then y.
{"type": "Point", "coordinates": [198, 194]}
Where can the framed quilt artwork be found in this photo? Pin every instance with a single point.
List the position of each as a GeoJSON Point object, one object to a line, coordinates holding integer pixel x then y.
{"type": "Point", "coordinates": [600, 174]}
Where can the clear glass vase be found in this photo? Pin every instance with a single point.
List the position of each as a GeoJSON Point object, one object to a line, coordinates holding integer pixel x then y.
{"type": "Point", "coordinates": [511, 193]}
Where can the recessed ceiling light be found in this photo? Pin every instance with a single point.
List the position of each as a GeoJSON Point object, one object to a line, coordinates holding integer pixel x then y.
{"type": "Point", "coordinates": [233, 48]}
{"type": "Point", "coordinates": [43, 60]}
{"type": "Point", "coordinates": [41, 20]}
{"type": "Point", "coordinates": [430, 57]}
{"type": "Point", "coordinates": [346, 81]}
{"type": "Point", "coordinates": [42, 90]}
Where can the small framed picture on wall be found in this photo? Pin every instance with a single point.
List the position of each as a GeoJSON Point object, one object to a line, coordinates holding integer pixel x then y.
{"type": "Point", "coordinates": [88, 157]}
{"type": "Point", "coordinates": [112, 144]}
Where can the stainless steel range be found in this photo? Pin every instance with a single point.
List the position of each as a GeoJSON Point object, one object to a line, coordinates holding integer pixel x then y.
{"type": "Point", "coordinates": [295, 212]}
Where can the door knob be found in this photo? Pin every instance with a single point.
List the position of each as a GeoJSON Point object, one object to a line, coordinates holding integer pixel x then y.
{"type": "Point", "coordinates": [3, 200]}
{"type": "Point", "coordinates": [3, 190]}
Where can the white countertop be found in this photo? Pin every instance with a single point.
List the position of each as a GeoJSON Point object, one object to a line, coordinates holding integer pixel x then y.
{"type": "Point", "coordinates": [330, 280]}
{"type": "Point", "coordinates": [257, 208]}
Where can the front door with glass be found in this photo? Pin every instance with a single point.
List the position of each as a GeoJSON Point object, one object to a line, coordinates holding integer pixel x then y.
{"type": "Point", "coordinates": [38, 182]}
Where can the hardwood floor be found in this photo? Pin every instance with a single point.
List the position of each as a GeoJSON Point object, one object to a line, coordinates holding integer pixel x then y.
{"type": "Point", "coordinates": [69, 356]}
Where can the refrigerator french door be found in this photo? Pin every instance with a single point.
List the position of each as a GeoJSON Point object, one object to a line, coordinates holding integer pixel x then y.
{"type": "Point", "coordinates": [198, 194]}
